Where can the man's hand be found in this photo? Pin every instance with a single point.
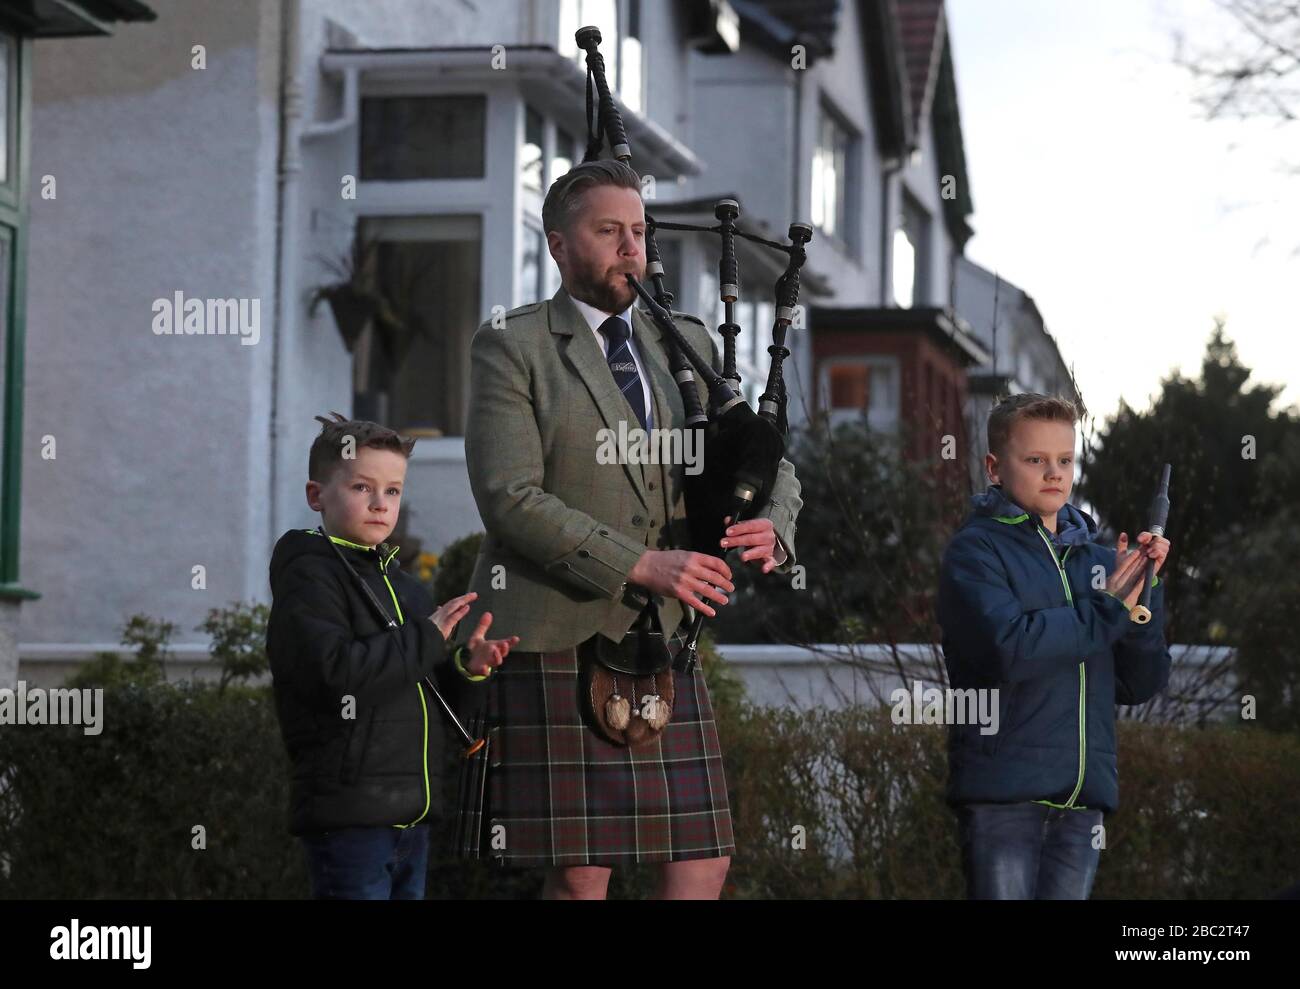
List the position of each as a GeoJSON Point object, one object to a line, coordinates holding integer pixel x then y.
{"type": "Point", "coordinates": [688, 577]}
{"type": "Point", "coordinates": [487, 654]}
{"type": "Point", "coordinates": [1130, 565]}
{"type": "Point", "coordinates": [450, 614]}
{"type": "Point", "coordinates": [760, 536]}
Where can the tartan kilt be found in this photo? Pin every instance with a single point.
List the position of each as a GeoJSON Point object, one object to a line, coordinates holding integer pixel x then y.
{"type": "Point", "coordinates": [552, 792]}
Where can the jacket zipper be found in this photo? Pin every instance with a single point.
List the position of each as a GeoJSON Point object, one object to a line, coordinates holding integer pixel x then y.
{"type": "Point", "coordinates": [424, 709]}
{"type": "Point", "coordinates": [1083, 673]}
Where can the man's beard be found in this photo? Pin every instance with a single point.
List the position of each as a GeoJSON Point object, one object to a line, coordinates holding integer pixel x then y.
{"type": "Point", "coordinates": [588, 285]}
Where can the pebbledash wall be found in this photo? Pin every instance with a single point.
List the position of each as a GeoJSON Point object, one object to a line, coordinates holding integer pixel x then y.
{"type": "Point", "coordinates": [181, 458]}
{"type": "Point", "coordinates": [165, 182]}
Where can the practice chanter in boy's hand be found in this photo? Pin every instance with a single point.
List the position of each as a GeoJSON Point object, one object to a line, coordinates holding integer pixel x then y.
{"type": "Point", "coordinates": [1159, 515]}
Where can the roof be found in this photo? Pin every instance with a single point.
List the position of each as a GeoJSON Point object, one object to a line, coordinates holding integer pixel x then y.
{"type": "Point", "coordinates": [950, 150]}
{"type": "Point", "coordinates": [70, 18]}
{"type": "Point", "coordinates": [926, 53]}
{"type": "Point", "coordinates": [941, 325]}
{"type": "Point", "coordinates": [923, 29]}
{"type": "Point", "coordinates": [778, 24]}
{"type": "Point", "coordinates": [887, 78]}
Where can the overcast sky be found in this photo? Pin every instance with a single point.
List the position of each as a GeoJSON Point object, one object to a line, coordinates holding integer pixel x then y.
{"type": "Point", "coordinates": [1101, 190]}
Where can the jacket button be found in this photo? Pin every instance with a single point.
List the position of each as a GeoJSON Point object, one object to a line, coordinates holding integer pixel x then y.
{"type": "Point", "coordinates": [652, 522]}
{"type": "Point", "coordinates": [604, 532]}
{"type": "Point", "coordinates": [637, 520]}
{"type": "Point", "coordinates": [652, 485]}
{"type": "Point", "coordinates": [583, 553]}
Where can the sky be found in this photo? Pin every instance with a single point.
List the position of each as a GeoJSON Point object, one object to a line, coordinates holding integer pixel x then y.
{"type": "Point", "coordinates": [1101, 189]}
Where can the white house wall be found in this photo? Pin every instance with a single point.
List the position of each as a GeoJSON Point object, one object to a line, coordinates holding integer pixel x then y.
{"type": "Point", "coordinates": [166, 183]}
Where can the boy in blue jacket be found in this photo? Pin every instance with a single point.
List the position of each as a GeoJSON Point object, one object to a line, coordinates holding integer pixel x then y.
{"type": "Point", "coordinates": [1032, 605]}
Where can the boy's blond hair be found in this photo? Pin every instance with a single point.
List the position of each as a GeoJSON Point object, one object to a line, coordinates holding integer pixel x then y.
{"type": "Point", "coordinates": [1028, 405]}
{"type": "Point", "coordinates": [327, 449]}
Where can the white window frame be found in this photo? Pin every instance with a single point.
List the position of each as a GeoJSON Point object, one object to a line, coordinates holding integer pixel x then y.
{"type": "Point", "coordinates": [880, 420]}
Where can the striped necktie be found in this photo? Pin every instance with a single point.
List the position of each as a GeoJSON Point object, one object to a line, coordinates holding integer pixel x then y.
{"type": "Point", "coordinates": [617, 331]}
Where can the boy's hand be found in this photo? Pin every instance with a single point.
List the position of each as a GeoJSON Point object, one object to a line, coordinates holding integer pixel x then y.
{"type": "Point", "coordinates": [487, 654]}
{"type": "Point", "coordinates": [1130, 564]}
{"type": "Point", "coordinates": [450, 614]}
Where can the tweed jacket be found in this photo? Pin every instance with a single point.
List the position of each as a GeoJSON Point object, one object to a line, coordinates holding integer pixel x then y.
{"type": "Point", "coordinates": [563, 528]}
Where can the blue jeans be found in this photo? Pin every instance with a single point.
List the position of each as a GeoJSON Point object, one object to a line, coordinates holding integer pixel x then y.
{"type": "Point", "coordinates": [1027, 851]}
{"type": "Point", "coordinates": [384, 863]}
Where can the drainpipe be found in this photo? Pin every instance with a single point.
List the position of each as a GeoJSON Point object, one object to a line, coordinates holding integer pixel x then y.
{"type": "Point", "coordinates": [288, 169]}
{"type": "Point", "coordinates": [288, 226]}
{"type": "Point", "coordinates": [890, 168]}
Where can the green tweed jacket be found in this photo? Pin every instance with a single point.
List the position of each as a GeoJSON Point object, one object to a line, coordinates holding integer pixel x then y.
{"type": "Point", "coordinates": [563, 529]}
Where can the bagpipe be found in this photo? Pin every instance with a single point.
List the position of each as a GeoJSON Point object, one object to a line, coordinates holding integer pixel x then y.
{"type": "Point", "coordinates": [741, 448]}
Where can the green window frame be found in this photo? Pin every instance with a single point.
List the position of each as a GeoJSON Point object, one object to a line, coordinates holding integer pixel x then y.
{"type": "Point", "coordinates": [16, 59]}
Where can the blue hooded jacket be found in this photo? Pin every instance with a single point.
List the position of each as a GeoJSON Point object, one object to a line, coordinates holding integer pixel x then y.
{"type": "Point", "coordinates": [1019, 611]}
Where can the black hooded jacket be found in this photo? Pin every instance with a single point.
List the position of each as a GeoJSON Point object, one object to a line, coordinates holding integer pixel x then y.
{"type": "Point", "coordinates": [365, 737]}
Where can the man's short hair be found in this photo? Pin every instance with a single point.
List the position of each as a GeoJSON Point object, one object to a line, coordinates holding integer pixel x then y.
{"type": "Point", "coordinates": [327, 449]}
{"type": "Point", "coordinates": [1028, 405]}
{"type": "Point", "coordinates": [564, 198]}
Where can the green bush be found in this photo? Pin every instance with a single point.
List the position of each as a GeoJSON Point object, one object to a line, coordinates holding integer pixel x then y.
{"type": "Point", "coordinates": [825, 803]}
{"type": "Point", "coordinates": [1207, 813]}
{"type": "Point", "coordinates": [455, 567]}
{"type": "Point", "coordinates": [114, 815]}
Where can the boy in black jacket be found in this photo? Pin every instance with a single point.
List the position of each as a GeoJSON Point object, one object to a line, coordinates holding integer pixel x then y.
{"type": "Point", "coordinates": [364, 735]}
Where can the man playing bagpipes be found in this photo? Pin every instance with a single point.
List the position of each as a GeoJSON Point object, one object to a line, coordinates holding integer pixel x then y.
{"type": "Point", "coordinates": [599, 752]}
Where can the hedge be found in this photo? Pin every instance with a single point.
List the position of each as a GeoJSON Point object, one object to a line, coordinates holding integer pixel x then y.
{"type": "Point", "coordinates": [826, 803]}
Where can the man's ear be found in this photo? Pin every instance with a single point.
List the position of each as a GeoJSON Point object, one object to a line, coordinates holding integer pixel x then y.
{"type": "Point", "coordinates": [555, 244]}
{"type": "Point", "coordinates": [313, 495]}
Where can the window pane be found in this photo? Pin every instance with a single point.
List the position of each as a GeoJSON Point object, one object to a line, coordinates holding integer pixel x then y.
{"type": "Point", "coordinates": [881, 389]}
{"type": "Point", "coordinates": [6, 268]}
{"type": "Point", "coordinates": [566, 153]}
{"type": "Point", "coordinates": [6, 85]}
{"type": "Point", "coordinates": [530, 270]}
{"type": "Point", "coordinates": [841, 146]}
{"type": "Point", "coordinates": [412, 375]}
{"type": "Point", "coordinates": [596, 13]}
{"type": "Point", "coordinates": [849, 388]}
{"type": "Point", "coordinates": [629, 87]}
{"type": "Point", "coordinates": [818, 190]}
{"type": "Point", "coordinates": [904, 269]}
{"type": "Point", "coordinates": [422, 137]}
{"type": "Point", "coordinates": [530, 156]}
{"type": "Point", "coordinates": [829, 164]}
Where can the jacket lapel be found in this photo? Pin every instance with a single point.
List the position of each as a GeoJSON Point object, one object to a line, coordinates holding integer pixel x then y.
{"type": "Point", "coordinates": [584, 353]}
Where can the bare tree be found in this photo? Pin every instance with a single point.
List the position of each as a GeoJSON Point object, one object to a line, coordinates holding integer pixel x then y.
{"type": "Point", "coordinates": [1255, 73]}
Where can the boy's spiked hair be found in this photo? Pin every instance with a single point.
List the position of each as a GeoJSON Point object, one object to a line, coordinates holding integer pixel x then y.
{"type": "Point", "coordinates": [1029, 405]}
{"type": "Point", "coordinates": [327, 448]}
